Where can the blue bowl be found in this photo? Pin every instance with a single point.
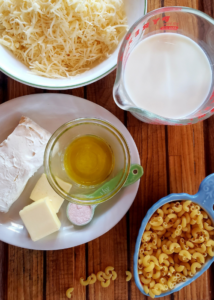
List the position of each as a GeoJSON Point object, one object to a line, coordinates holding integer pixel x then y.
{"type": "Point", "coordinates": [205, 198]}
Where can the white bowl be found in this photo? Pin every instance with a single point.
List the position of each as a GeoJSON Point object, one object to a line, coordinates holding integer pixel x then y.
{"type": "Point", "coordinates": [18, 71]}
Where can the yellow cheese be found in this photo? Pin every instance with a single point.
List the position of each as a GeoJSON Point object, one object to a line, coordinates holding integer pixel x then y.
{"type": "Point", "coordinates": [40, 219]}
{"type": "Point", "coordinates": [43, 189]}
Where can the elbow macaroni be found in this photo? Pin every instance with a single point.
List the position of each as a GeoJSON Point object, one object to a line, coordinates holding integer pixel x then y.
{"type": "Point", "coordinates": [175, 244]}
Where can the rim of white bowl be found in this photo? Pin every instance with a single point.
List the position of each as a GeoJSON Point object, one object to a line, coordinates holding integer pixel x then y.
{"type": "Point", "coordinates": [68, 86]}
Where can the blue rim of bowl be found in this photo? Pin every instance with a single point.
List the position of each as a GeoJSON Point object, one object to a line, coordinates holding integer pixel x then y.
{"type": "Point", "coordinates": [68, 86]}
{"type": "Point", "coordinates": [150, 212]}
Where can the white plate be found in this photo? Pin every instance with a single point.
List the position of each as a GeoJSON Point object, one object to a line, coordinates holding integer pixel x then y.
{"type": "Point", "coordinates": [135, 9]}
{"type": "Point", "coordinates": [51, 111]}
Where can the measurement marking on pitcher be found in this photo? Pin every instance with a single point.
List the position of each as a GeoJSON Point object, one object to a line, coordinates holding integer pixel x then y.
{"type": "Point", "coordinates": [169, 28]}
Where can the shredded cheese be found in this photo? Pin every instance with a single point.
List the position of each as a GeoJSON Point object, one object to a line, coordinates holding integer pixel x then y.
{"type": "Point", "coordinates": [61, 38]}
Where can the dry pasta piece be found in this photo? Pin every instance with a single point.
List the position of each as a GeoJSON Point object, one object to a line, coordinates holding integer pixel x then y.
{"type": "Point", "coordinates": [159, 243]}
{"type": "Point", "coordinates": [187, 216]}
{"type": "Point", "coordinates": [165, 250]}
{"type": "Point", "coordinates": [207, 226]}
{"type": "Point", "coordinates": [108, 270]}
{"type": "Point", "coordinates": [185, 254]}
{"type": "Point", "coordinates": [152, 283]}
{"type": "Point", "coordinates": [114, 275]}
{"type": "Point", "coordinates": [184, 222]}
{"type": "Point", "coordinates": [128, 275]}
{"type": "Point", "coordinates": [150, 252]}
{"type": "Point", "coordinates": [160, 212]}
{"type": "Point", "coordinates": [151, 294]}
{"type": "Point", "coordinates": [205, 215]}
{"type": "Point", "coordinates": [162, 280]}
{"type": "Point", "coordinates": [69, 292]}
{"type": "Point", "coordinates": [170, 216]}
{"type": "Point", "coordinates": [179, 268]}
{"type": "Point", "coordinates": [100, 276]}
{"type": "Point", "coordinates": [186, 205]}
{"type": "Point", "coordinates": [156, 292]}
{"type": "Point", "coordinates": [146, 289]}
{"type": "Point", "coordinates": [199, 219]}
{"type": "Point", "coordinates": [156, 221]}
{"type": "Point", "coordinates": [106, 277]}
{"type": "Point", "coordinates": [154, 259]}
{"type": "Point", "coordinates": [194, 214]}
{"type": "Point", "coordinates": [195, 266]}
{"type": "Point", "coordinates": [156, 275]}
{"type": "Point", "coordinates": [148, 226]}
{"type": "Point", "coordinates": [171, 260]}
{"type": "Point", "coordinates": [173, 240]}
{"type": "Point", "coordinates": [93, 278]}
{"type": "Point", "coordinates": [145, 260]}
{"type": "Point", "coordinates": [147, 236]}
{"type": "Point", "coordinates": [201, 249]}
{"type": "Point", "coordinates": [199, 257]}
{"type": "Point", "coordinates": [175, 247]}
{"type": "Point", "coordinates": [210, 243]}
{"type": "Point", "coordinates": [106, 283]}
{"type": "Point", "coordinates": [209, 222]}
{"type": "Point", "coordinates": [157, 228]}
{"type": "Point", "coordinates": [150, 267]}
{"type": "Point", "coordinates": [162, 257]}
{"type": "Point", "coordinates": [185, 272]}
{"type": "Point", "coordinates": [190, 244]}
{"type": "Point", "coordinates": [145, 280]}
{"type": "Point", "coordinates": [85, 282]}
{"type": "Point", "coordinates": [181, 213]}
{"type": "Point", "coordinates": [210, 251]}
{"type": "Point", "coordinates": [148, 274]}
{"type": "Point", "coordinates": [177, 207]}
{"type": "Point", "coordinates": [193, 221]}
{"type": "Point", "coordinates": [166, 207]}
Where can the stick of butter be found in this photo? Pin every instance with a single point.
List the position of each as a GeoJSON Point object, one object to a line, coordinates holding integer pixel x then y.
{"type": "Point", "coordinates": [40, 219]}
{"type": "Point", "coordinates": [43, 189]}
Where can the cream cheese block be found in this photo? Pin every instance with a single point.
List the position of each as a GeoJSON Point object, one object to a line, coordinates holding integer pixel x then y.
{"type": "Point", "coordinates": [21, 155]}
{"type": "Point", "coordinates": [43, 189]}
{"type": "Point", "coordinates": [40, 219]}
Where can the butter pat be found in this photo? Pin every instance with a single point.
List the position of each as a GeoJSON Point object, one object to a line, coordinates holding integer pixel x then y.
{"type": "Point", "coordinates": [43, 189]}
{"type": "Point", "coordinates": [40, 219]}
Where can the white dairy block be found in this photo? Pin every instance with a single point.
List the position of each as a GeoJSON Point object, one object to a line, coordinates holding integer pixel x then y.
{"type": "Point", "coordinates": [40, 219]}
{"type": "Point", "coordinates": [21, 155]}
{"type": "Point", "coordinates": [43, 189]}
{"type": "Point", "coordinates": [168, 74]}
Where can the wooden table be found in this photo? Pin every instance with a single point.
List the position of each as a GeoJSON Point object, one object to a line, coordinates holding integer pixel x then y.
{"type": "Point", "coordinates": [175, 159]}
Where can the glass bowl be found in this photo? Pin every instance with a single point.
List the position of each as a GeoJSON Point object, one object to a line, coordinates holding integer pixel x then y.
{"type": "Point", "coordinates": [185, 21]}
{"type": "Point", "coordinates": [54, 159]}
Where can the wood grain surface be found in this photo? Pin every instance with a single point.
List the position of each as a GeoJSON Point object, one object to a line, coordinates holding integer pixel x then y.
{"type": "Point", "coordinates": [175, 159]}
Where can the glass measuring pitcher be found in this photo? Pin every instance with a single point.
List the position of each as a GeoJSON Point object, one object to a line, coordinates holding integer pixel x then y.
{"type": "Point", "coordinates": [185, 21]}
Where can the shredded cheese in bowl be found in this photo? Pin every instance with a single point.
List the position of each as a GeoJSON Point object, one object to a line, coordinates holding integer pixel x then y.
{"type": "Point", "coordinates": [61, 38]}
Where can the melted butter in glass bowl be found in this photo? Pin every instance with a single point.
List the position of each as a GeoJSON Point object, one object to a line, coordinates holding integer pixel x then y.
{"type": "Point", "coordinates": [108, 145]}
